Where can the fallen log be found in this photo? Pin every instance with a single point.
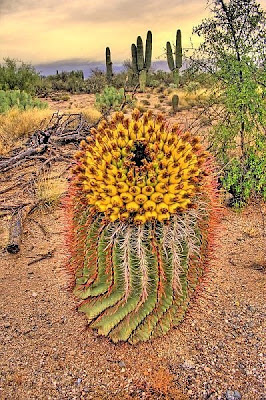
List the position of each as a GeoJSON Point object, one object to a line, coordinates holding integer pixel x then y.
{"type": "Point", "coordinates": [16, 229]}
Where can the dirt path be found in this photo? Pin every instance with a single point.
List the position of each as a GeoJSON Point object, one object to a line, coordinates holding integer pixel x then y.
{"type": "Point", "coordinates": [46, 352]}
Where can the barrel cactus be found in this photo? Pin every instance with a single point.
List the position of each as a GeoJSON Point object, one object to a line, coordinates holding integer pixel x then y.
{"type": "Point", "coordinates": [142, 205]}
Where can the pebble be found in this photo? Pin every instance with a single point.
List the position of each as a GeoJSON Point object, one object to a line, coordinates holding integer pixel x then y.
{"type": "Point", "coordinates": [233, 395]}
{"type": "Point", "coordinates": [34, 294]}
{"type": "Point", "coordinates": [121, 364]}
{"type": "Point", "coordinates": [188, 364]}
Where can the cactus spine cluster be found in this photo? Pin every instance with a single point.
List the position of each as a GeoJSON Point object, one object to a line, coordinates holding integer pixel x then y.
{"type": "Point", "coordinates": [142, 205]}
{"type": "Point", "coordinates": [141, 64]}
{"type": "Point", "coordinates": [109, 65]}
{"type": "Point", "coordinates": [175, 64]}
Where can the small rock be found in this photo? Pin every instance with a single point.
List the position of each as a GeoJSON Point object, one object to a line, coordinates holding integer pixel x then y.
{"type": "Point", "coordinates": [233, 395]}
{"type": "Point", "coordinates": [188, 364]}
{"type": "Point", "coordinates": [86, 389]}
{"type": "Point", "coordinates": [34, 294]}
{"type": "Point", "coordinates": [7, 325]}
{"type": "Point", "coordinates": [79, 381]}
{"type": "Point", "coordinates": [121, 364]}
{"type": "Point", "coordinates": [123, 370]}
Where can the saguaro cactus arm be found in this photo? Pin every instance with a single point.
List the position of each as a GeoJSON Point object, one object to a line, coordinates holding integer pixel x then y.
{"type": "Point", "coordinates": [148, 51]}
{"type": "Point", "coordinates": [178, 50]}
{"type": "Point", "coordinates": [170, 58]}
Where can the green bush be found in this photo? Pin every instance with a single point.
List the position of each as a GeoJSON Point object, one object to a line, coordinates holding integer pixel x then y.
{"type": "Point", "coordinates": [17, 75]}
{"type": "Point", "coordinates": [18, 99]}
{"type": "Point", "coordinates": [246, 178]}
{"type": "Point", "coordinates": [110, 98]}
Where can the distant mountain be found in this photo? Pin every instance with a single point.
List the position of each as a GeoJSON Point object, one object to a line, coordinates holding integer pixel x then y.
{"type": "Point", "coordinates": [87, 66]}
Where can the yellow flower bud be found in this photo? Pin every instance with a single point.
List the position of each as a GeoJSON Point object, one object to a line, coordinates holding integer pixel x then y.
{"type": "Point", "coordinates": [149, 205]}
{"type": "Point", "coordinates": [126, 197]}
{"type": "Point", "coordinates": [141, 198]}
{"type": "Point", "coordinates": [132, 206]}
{"type": "Point", "coordinates": [111, 190]}
{"type": "Point", "coordinates": [147, 190]}
{"type": "Point", "coordinates": [116, 201]}
{"type": "Point", "coordinates": [113, 217]}
{"type": "Point", "coordinates": [124, 216]}
{"type": "Point", "coordinates": [163, 217]}
{"type": "Point", "coordinates": [162, 208]}
{"type": "Point", "coordinates": [140, 219]}
{"type": "Point", "coordinates": [150, 215]}
{"type": "Point", "coordinates": [169, 198]}
{"type": "Point", "coordinates": [173, 208]}
{"type": "Point", "coordinates": [157, 197]}
{"type": "Point", "coordinates": [161, 187]}
{"type": "Point", "coordinates": [122, 187]}
{"type": "Point", "coordinates": [135, 190]}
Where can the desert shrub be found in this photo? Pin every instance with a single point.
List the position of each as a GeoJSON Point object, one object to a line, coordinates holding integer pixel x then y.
{"type": "Point", "coordinates": [91, 114]}
{"type": "Point", "coordinates": [20, 100]}
{"type": "Point", "coordinates": [17, 75]}
{"type": "Point", "coordinates": [16, 125]}
{"type": "Point", "coordinates": [233, 43]}
{"type": "Point", "coordinates": [72, 82]}
{"type": "Point", "coordinates": [244, 178]}
{"type": "Point", "coordinates": [96, 82]}
{"type": "Point", "coordinates": [158, 78]}
{"type": "Point", "coordinates": [49, 188]}
{"type": "Point", "coordinates": [110, 98]}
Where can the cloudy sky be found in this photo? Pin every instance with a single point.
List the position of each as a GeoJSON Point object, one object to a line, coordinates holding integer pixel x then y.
{"type": "Point", "coordinates": [43, 31]}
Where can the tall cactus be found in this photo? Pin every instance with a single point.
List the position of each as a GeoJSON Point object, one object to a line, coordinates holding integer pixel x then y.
{"type": "Point", "coordinates": [142, 206]}
{"type": "Point", "coordinates": [175, 64]}
{"type": "Point", "coordinates": [109, 65]}
{"type": "Point", "coordinates": [141, 64]}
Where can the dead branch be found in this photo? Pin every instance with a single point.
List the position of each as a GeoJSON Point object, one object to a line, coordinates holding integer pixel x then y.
{"type": "Point", "coordinates": [16, 229]}
{"type": "Point", "coordinates": [50, 254]}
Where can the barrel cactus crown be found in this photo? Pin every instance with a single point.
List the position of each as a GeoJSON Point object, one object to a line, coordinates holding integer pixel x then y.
{"type": "Point", "coordinates": [142, 205]}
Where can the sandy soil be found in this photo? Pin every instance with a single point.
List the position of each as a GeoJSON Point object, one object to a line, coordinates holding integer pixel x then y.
{"type": "Point", "coordinates": [47, 352]}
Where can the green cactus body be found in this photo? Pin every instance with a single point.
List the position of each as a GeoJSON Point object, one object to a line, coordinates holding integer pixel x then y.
{"type": "Point", "coordinates": [109, 65]}
{"type": "Point", "coordinates": [175, 101]}
{"type": "Point", "coordinates": [140, 63]}
{"type": "Point", "coordinates": [175, 64]}
{"type": "Point", "coordinates": [139, 243]}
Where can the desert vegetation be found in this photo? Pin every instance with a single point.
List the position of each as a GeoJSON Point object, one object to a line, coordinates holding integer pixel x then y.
{"type": "Point", "coordinates": [144, 256]}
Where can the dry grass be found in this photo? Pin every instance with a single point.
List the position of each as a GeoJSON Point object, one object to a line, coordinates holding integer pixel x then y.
{"type": "Point", "coordinates": [17, 125]}
{"type": "Point", "coordinates": [49, 189]}
{"type": "Point", "coordinates": [90, 113]}
{"type": "Point", "coordinates": [190, 99]}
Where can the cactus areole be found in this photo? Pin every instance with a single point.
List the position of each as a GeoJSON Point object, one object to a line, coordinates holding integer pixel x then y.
{"type": "Point", "coordinates": [142, 206]}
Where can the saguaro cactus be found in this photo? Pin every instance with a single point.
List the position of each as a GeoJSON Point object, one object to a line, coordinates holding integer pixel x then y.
{"type": "Point", "coordinates": [175, 64]}
{"type": "Point", "coordinates": [142, 205]}
{"type": "Point", "coordinates": [109, 65]}
{"type": "Point", "coordinates": [140, 64]}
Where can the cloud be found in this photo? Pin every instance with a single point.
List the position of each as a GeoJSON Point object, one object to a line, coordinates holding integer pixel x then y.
{"type": "Point", "coordinates": [48, 30]}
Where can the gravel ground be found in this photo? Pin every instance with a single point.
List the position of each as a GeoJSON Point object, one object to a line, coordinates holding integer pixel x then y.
{"type": "Point", "coordinates": [46, 352]}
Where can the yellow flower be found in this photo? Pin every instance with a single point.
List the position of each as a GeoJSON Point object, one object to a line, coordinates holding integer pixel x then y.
{"type": "Point", "coordinates": [157, 197]}
{"type": "Point", "coordinates": [138, 165]}
{"type": "Point", "coordinates": [141, 198]}
{"type": "Point", "coordinates": [149, 205]}
{"type": "Point", "coordinates": [135, 190]}
{"type": "Point", "coordinates": [163, 217]}
{"type": "Point", "coordinates": [141, 219]}
{"type": "Point", "coordinates": [126, 197]}
{"type": "Point", "coordinates": [132, 206]}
